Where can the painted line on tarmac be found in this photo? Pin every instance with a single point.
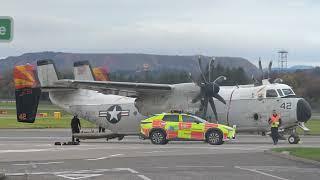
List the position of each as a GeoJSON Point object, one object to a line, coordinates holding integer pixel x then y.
{"type": "Point", "coordinates": [80, 148]}
{"type": "Point", "coordinates": [43, 163]}
{"type": "Point", "coordinates": [127, 169]}
{"type": "Point", "coordinates": [200, 166]}
{"type": "Point", "coordinates": [143, 177]}
{"type": "Point", "coordinates": [260, 172]}
{"type": "Point", "coordinates": [106, 157]}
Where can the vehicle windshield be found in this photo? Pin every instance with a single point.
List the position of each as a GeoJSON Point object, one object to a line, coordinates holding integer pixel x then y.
{"type": "Point", "coordinates": [288, 92]}
{"type": "Point", "coordinates": [199, 119]}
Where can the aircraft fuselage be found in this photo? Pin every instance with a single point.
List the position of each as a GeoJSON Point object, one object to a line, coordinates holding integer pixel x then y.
{"type": "Point", "coordinates": [247, 107]}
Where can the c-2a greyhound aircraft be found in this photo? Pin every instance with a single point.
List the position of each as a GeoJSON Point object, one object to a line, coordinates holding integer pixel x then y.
{"type": "Point", "coordinates": [120, 106]}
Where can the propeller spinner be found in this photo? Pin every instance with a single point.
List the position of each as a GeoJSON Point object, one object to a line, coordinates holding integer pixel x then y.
{"type": "Point", "coordinates": [208, 89]}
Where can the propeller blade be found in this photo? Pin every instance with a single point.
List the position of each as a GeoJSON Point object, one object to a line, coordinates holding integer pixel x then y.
{"type": "Point", "coordinates": [213, 107]}
{"type": "Point", "coordinates": [211, 67]}
{"type": "Point", "coordinates": [205, 107]}
{"type": "Point", "coordinates": [217, 96]}
{"type": "Point", "coordinates": [269, 69]}
{"type": "Point", "coordinates": [192, 79]}
{"type": "Point", "coordinates": [220, 79]}
{"type": "Point", "coordinates": [260, 68]}
{"type": "Point", "coordinates": [197, 98]}
{"type": "Point", "coordinates": [200, 68]}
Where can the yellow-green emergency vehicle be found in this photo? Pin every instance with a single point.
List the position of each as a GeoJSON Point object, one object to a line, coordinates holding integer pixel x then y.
{"type": "Point", "coordinates": [165, 127]}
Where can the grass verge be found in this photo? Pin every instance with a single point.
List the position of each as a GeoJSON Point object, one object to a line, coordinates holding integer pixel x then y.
{"type": "Point", "coordinates": [303, 152]}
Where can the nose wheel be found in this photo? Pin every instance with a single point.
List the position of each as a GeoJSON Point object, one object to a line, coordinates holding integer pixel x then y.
{"type": "Point", "coordinates": [293, 139]}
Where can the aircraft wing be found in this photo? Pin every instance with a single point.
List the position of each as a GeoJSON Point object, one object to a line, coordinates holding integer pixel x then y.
{"type": "Point", "coordinates": [129, 89]}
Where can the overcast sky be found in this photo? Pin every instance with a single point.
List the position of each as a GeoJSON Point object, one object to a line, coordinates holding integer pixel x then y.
{"type": "Point", "coordinates": [242, 28]}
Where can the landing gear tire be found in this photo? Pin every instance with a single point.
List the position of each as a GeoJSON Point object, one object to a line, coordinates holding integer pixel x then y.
{"type": "Point", "coordinates": [214, 137]}
{"type": "Point", "coordinates": [158, 137]}
{"type": "Point", "coordinates": [293, 139]}
{"type": "Point", "coordinates": [120, 137]}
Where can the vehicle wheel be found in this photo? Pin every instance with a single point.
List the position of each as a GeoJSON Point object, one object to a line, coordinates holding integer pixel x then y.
{"type": "Point", "coordinates": [214, 137]}
{"type": "Point", "coordinates": [158, 137]}
{"type": "Point", "coordinates": [293, 139]}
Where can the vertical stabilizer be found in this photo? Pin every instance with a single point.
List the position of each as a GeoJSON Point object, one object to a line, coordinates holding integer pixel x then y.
{"type": "Point", "coordinates": [47, 73]}
{"type": "Point", "coordinates": [27, 92]}
{"type": "Point", "coordinates": [82, 71]}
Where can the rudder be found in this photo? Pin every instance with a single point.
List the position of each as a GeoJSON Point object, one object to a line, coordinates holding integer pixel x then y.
{"type": "Point", "coordinates": [27, 93]}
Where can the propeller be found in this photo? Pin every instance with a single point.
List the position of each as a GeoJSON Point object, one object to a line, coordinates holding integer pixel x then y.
{"type": "Point", "coordinates": [208, 89]}
{"type": "Point", "coordinates": [258, 82]}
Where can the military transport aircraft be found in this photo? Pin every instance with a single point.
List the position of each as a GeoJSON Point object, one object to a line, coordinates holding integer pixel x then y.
{"type": "Point", "coordinates": [120, 106]}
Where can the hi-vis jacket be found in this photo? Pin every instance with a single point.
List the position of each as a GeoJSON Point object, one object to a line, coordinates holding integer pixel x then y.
{"type": "Point", "coordinates": [274, 121]}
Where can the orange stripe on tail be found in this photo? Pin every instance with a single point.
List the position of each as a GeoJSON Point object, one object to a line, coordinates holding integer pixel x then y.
{"type": "Point", "coordinates": [24, 77]}
{"type": "Point", "coordinates": [101, 74]}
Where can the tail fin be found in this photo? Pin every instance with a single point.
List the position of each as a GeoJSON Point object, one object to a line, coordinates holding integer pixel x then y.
{"type": "Point", "coordinates": [101, 73]}
{"type": "Point", "coordinates": [47, 73]}
{"type": "Point", "coordinates": [82, 71]}
{"type": "Point", "coordinates": [27, 92]}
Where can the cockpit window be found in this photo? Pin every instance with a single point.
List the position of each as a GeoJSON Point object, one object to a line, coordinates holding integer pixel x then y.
{"type": "Point", "coordinates": [287, 92]}
{"type": "Point", "coordinates": [280, 92]}
{"type": "Point", "coordinates": [271, 93]}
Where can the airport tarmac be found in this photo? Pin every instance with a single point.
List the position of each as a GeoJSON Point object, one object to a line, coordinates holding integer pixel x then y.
{"type": "Point", "coordinates": [31, 154]}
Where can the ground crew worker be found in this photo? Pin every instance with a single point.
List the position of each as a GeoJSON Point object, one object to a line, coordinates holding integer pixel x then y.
{"type": "Point", "coordinates": [75, 126]}
{"type": "Point", "coordinates": [275, 122]}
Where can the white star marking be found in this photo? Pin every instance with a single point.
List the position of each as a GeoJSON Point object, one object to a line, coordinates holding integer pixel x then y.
{"type": "Point", "coordinates": [114, 113]}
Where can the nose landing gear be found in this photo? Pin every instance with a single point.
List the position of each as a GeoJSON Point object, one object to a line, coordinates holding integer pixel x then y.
{"type": "Point", "coordinates": [293, 139]}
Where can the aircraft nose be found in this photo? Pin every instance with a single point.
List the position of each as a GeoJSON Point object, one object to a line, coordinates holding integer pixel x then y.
{"type": "Point", "coordinates": [303, 111]}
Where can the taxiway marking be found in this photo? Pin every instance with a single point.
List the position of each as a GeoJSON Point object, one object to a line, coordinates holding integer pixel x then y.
{"type": "Point", "coordinates": [44, 163]}
{"type": "Point", "coordinates": [199, 166]}
{"type": "Point", "coordinates": [106, 157]}
{"type": "Point", "coordinates": [81, 174]}
{"type": "Point", "coordinates": [260, 172]}
{"type": "Point", "coordinates": [78, 176]}
{"type": "Point", "coordinates": [143, 177]}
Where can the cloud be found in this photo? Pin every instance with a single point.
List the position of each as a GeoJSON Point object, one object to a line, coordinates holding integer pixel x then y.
{"type": "Point", "coordinates": [248, 28]}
